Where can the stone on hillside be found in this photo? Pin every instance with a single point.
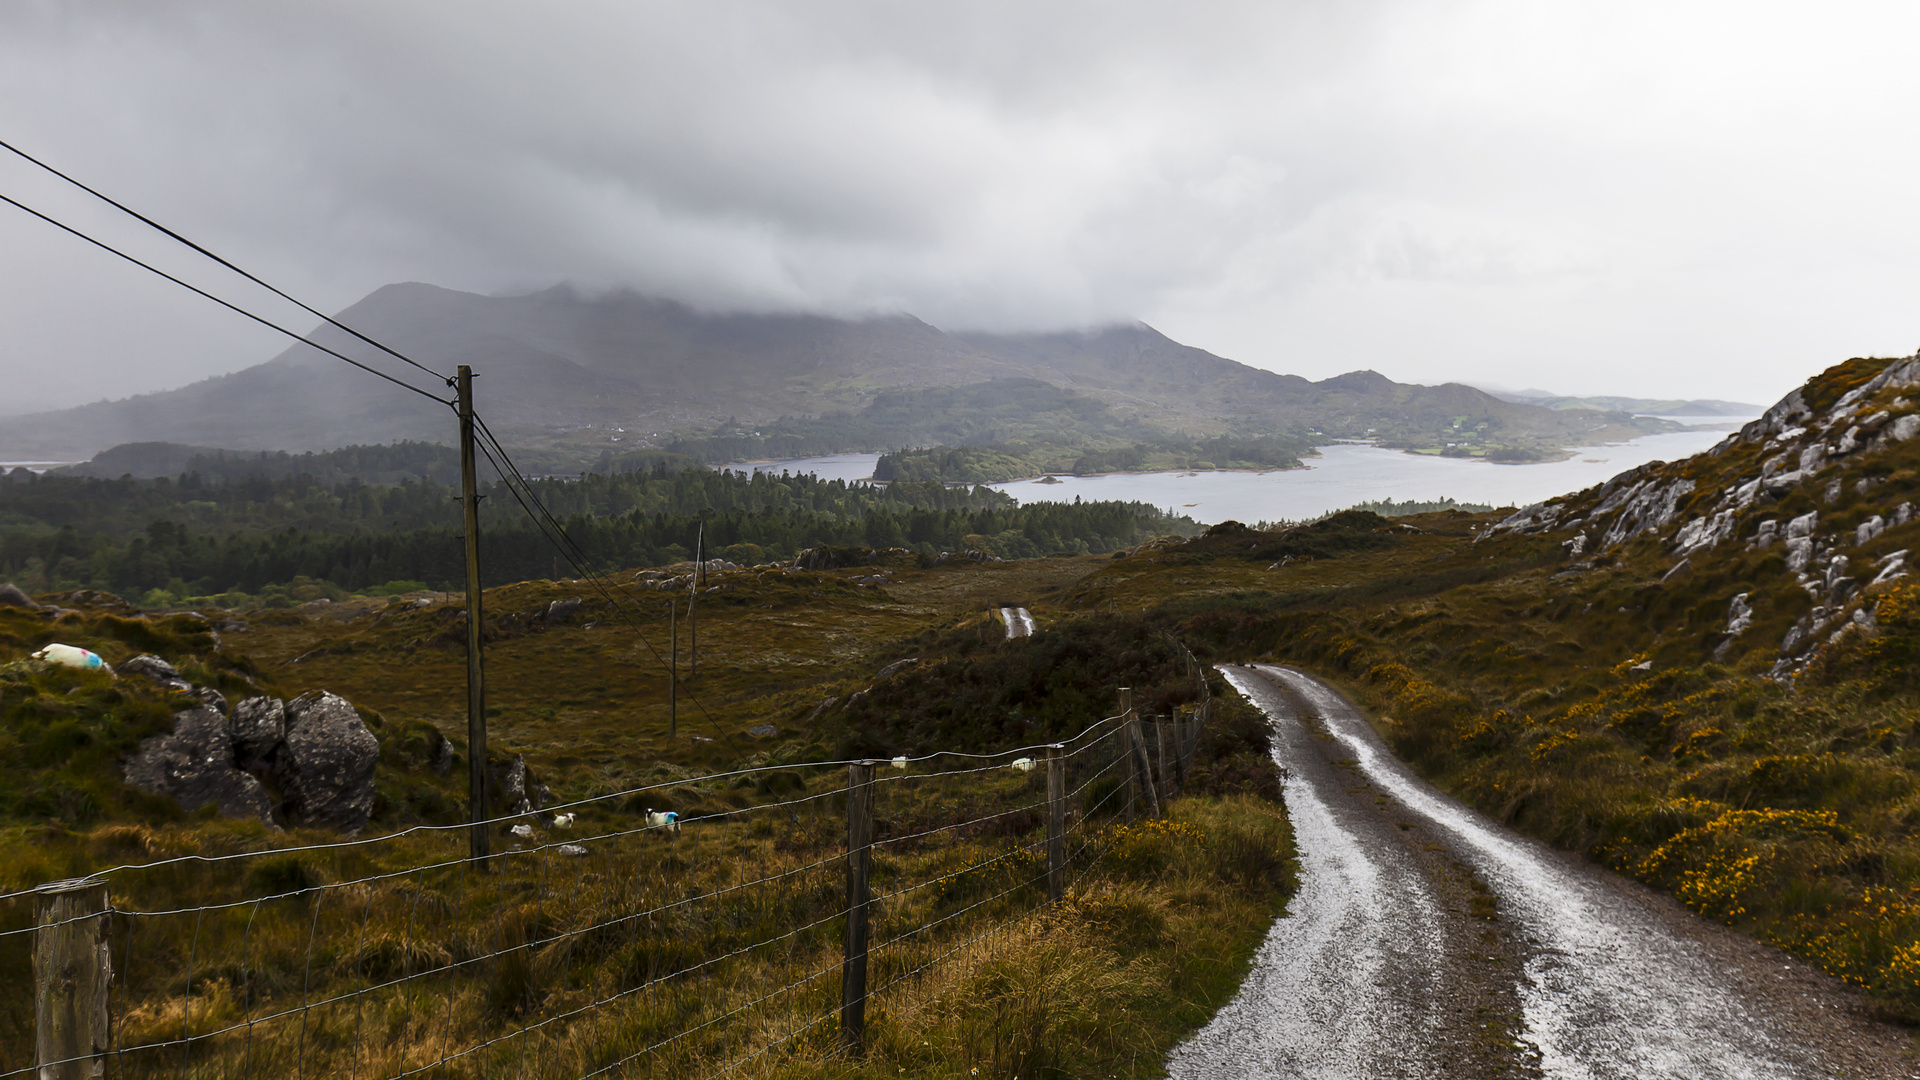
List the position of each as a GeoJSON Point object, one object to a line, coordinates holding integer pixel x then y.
{"type": "Point", "coordinates": [1680, 569]}
{"type": "Point", "coordinates": [560, 610]}
{"type": "Point", "coordinates": [515, 789]}
{"type": "Point", "coordinates": [12, 596]}
{"type": "Point", "coordinates": [156, 670]}
{"type": "Point", "coordinates": [193, 764]}
{"type": "Point", "coordinates": [327, 769]}
{"type": "Point", "coordinates": [763, 731]}
{"type": "Point", "coordinates": [259, 725]}
{"type": "Point", "coordinates": [896, 667]}
{"type": "Point", "coordinates": [1906, 427]}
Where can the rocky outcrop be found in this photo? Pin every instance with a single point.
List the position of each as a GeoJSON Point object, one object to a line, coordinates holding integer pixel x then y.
{"type": "Point", "coordinates": [515, 789]}
{"type": "Point", "coordinates": [154, 670]}
{"type": "Point", "coordinates": [12, 596]}
{"type": "Point", "coordinates": [194, 764]}
{"type": "Point", "coordinates": [259, 726]}
{"type": "Point", "coordinates": [563, 609]}
{"type": "Point", "coordinates": [326, 770]}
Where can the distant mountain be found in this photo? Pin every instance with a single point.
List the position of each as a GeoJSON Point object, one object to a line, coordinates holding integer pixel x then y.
{"type": "Point", "coordinates": [562, 370]}
{"type": "Point", "coordinates": [1703, 407]}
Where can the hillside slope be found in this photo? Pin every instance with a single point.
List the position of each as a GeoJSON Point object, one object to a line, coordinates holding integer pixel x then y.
{"type": "Point", "coordinates": [561, 366]}
{"type": "Point", "coordinates": [1703, 674]}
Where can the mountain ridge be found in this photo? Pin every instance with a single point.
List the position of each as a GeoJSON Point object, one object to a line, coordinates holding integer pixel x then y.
{"type": "Point", "coordinates": [557, 367]}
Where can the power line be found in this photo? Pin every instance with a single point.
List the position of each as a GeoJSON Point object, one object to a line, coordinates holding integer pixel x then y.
{"type": "Point", "coordinates": [125, 209]}
{"type": "Point", "coordinates": [104, 246]}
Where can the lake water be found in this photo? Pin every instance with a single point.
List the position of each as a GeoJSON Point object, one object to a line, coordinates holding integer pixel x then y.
{"type": "Point", "coordinates": [1343, 474]}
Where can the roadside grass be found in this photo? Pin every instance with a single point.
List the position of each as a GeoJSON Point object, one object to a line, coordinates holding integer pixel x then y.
{"type": "Point", "coordinates": [434, 957]}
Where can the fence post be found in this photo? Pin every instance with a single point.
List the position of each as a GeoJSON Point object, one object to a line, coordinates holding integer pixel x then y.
{"type": "Point", "coordinates": [1142, 768]}
{"type": "Point", "coordinates": [1126, 749]}
{"type": "Point", "coordinates": [853, 974]}
{"type": "Point", "coordinates": [1160, 738]}
{"type": "Point", "coordinates": [1056, 823]}
{"type": "Point", "coordinates": [71, 973]}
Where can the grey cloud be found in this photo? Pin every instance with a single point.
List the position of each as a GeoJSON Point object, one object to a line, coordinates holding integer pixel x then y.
{"type": "Point", "coordinates": [1646, 199]}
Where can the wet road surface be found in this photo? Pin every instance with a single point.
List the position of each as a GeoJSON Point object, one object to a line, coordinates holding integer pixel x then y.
{"type": "Point", "coordinates": [1428, 941]}
{"type": "Point", "coordinates": [1018, 622]}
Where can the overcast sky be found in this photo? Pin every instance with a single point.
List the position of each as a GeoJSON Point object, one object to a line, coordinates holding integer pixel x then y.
{"type": "Point", "coordinates": [1662, 198]}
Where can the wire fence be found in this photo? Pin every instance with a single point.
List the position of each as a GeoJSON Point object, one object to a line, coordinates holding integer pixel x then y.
{"type": "Point", "coordinates": [607, 938]}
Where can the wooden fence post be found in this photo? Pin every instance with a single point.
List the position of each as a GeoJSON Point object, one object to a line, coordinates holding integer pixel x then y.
{"type": "Point", "coordinates": [1160, 724]}
{"type": "Point", "coordinates": [1142, 768]}
{"type": "Point", "coordinates": [1056, 823]}
{"type": "Point", "coordinates": [71, 973]}
{"type": "Point", "coordinates": [853, 973]}
{"type": "Point", "coordinates": [1126, 749]}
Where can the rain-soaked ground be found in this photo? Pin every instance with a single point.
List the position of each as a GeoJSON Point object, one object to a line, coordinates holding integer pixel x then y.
{"type": "Point", "coordinates": [1427, 941]}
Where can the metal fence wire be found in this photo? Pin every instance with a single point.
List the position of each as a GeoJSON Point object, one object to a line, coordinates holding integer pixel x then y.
{"type": "Point", "coordinates": [611, 943]}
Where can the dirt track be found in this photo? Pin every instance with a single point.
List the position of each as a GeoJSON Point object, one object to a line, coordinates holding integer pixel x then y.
{"type": "Point", "coordinates": [1427, 941]}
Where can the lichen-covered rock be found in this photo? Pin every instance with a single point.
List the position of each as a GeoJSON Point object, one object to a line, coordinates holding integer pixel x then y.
{"type": "Point", "coordinates": [155, 670]}
{"type": "Point", "coordinates": [326, 770]}
{"type": "Point", "coordinates": [259, 725]}
{"type": "Point", "coordinates": [562, 609]}
{"type": "Point", "coordinates": [193, 764]}
{"type": "Point", "coordinates": [515, 789]}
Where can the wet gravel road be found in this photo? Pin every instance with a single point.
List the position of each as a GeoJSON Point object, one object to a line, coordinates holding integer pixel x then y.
{"type": "Point", "coordinates": [1427, 941]}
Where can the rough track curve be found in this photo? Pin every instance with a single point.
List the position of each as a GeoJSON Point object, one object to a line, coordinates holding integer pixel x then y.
{"type": "Point", "coordinates": [1612, 980]}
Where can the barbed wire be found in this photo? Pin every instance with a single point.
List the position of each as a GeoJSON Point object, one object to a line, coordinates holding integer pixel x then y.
{"type": "Point", "coordinates": [444, 936]}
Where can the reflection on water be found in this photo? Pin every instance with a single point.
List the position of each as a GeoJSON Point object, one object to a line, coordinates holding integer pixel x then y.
{"type": "Point", "coordinates": [1342, 476]}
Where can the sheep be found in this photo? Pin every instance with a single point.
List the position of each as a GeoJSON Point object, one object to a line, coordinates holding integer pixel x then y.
{"type": "Point", "coordinates": [563, 821]}
{"type": "Point", "coordinates": [69, 656]}
{"type": "Point", "coordinates": [900, 762]}
{"type": "Point", "coordinates": [524, 832]}
{"type": "Point", "coordinates": [1024, 764]}
{"type": "Point", "coordinates": [664, 819]}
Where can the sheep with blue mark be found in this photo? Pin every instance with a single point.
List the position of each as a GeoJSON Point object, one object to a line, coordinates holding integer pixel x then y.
{"type": "Point", "coordinates": [665, 820]}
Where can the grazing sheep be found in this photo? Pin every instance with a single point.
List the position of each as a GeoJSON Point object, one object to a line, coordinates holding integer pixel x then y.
{"type": "Point", "coordinates": [664, 819]}
{"type": "Point", "coordinates": [69, 656]}
{"type": "Point", "coordinates": [900, 763]}
{"type": "Point", "coordinates": [563, 821]}
{"type": "Point", "coordinates": [1024, 764]}
{"type": "Point", "coordinates": [524, 832]}
{"type": "Point", "coordinates": [572, 849]}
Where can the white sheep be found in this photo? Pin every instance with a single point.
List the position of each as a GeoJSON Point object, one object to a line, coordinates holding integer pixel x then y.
{"type": "Point", "coordinates": [524, 832]}
{"type": "Point", "coordinates": [563, 821]}
{"type": "Point", "coordinates": [1024, 764]}
{"type": "Point", "coordinates": [664, 819]}
{"type": "Point", "coordinates": [900, 762]}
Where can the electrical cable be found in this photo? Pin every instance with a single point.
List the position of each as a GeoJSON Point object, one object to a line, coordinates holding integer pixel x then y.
{"type": "Point", "coordinates": [129, 211]}
{"type": "Point", "coordinates": [102, 245]}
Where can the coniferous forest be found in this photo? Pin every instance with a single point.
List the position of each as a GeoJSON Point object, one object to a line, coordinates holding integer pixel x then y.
{"type": "Point", "coordinates": [290, 537]}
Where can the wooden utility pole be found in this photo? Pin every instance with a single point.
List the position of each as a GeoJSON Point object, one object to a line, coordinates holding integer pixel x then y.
{"type": "Point", "coordinates": [853, 973]}
{"type": "Point", "coordinates": [1056, 822]}
{"type": "Point", "coordinates": [693, 594]}
{"type": "Point", "coordinates": [71, 976]}
{"type": "Point", "coordinates": [476, 682]}
{"type": "Point", "coordinates": [673, 670]}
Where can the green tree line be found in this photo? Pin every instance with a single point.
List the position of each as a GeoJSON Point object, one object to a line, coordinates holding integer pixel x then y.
{"type": "Point", "coordinates": [76, 532]}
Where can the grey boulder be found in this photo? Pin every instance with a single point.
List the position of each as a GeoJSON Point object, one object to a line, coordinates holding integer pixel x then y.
{"type": "Point", "coordinates": [259, 725]}
{"type": "Point", "coordinates": [193, 764]}
{"type": "Point", "coordinates": [515, 789]}
{"type": "Point", "coordinates": [12, 596]}
{"type": "Point", "coordinates": [156, 670]}
{"type": "Point", "coordinates": [326, 771]}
